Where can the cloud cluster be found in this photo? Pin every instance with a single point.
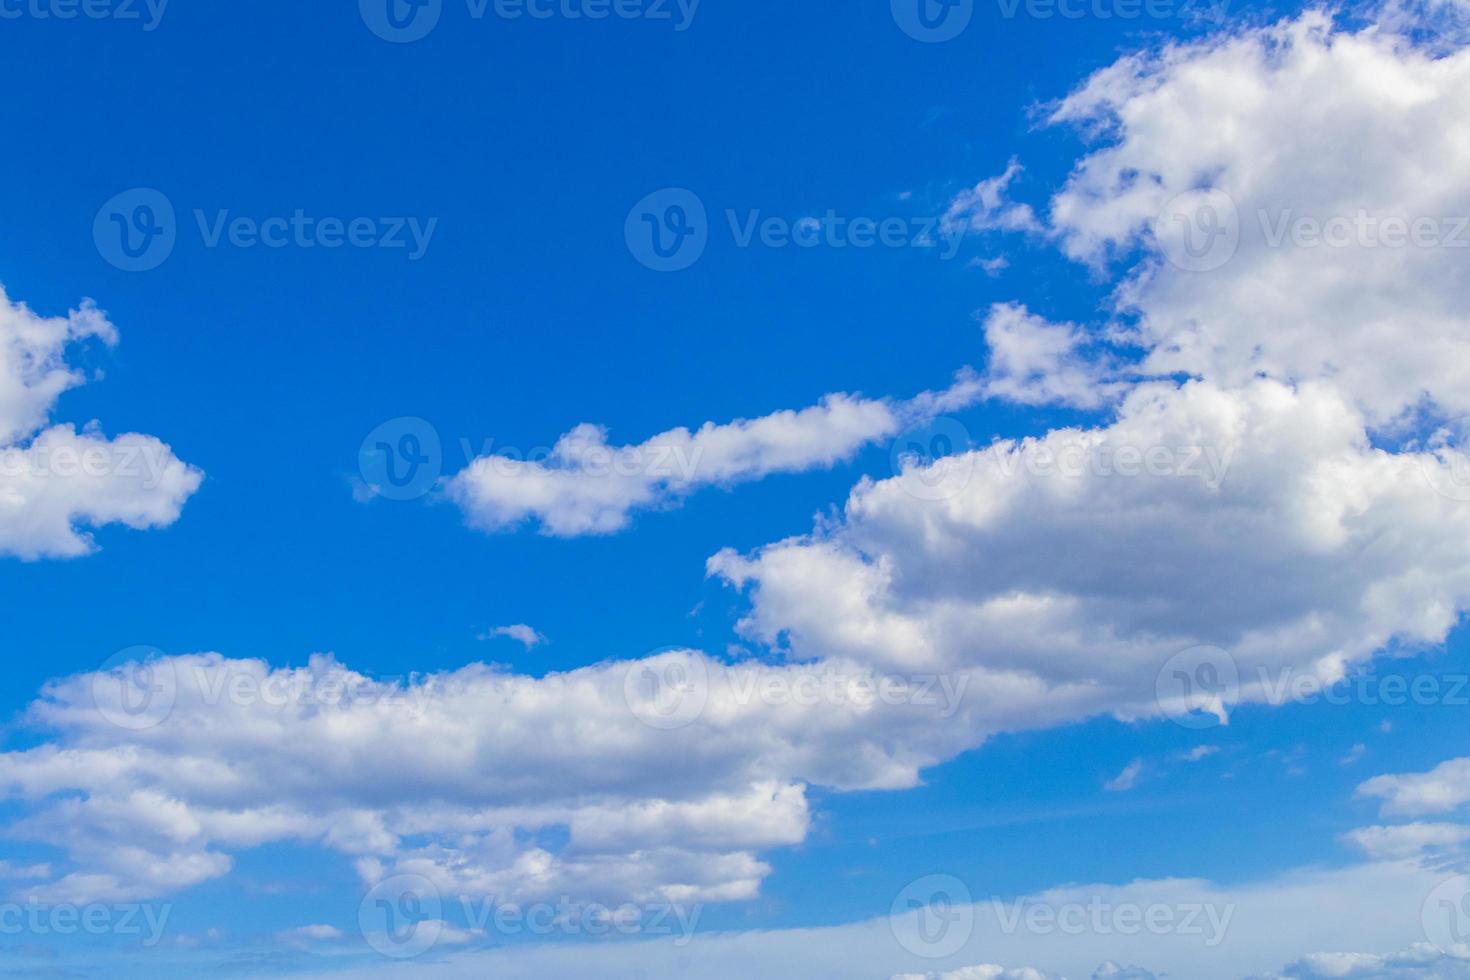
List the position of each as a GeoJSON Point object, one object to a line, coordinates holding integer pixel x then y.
{"type": "Point", "coordinates": [1243, 500]}
{"type": "Point", "coordinates": [482, 781]}
{"type": "Point", "coordinates": [1334, 244]}
{"type": "Point", "coordinates": [56, 482]}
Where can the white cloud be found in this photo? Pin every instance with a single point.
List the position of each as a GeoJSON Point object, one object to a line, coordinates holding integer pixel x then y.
{"type": "Point", "coordinates": [1419, 962]}
{"type": "Point", "coordinates": [1372, 907]}
{"type": "Point", "coordinates": [453, 776]}
{"type": "Point", "coordinates": [586, 486]}
{"type": "Point", "coordinates": [1033, 362]}
{"type": "Point", "coordinates": [1443, 789]}
{"type": "Point", "coordinates": [56, 482]}
{"type": "Point", "coordinates": [525, 635]}
{"type": "Point", "coordinates": [1127, 779]}
{"type": "Point", "coordinates": [1372, 126]}
{"type": "Point", "coordinates": [985, 207]}
{"type": "Point", "coordinates": [1267, 526]}
{"type": "Point", "coordinates": [313, 933]}
{"type": "Point", "coordinates": [1405, 841]}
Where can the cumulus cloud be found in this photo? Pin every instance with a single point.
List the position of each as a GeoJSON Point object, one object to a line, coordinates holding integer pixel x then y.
{"type": "Point", "coordinates": [1337, 246]}
{"type": "Point", "coordinates": [585, 485]}
{"type": "Point", "coordinates": [458, 777]}
{"type": "Point", "coordinates": [1443, 789]}
{"type": "Point", "coordinates": [57, 482]}
{"type": "Point", "coordinates": [1035, 362]}
{"type": "Point", "coordinates": [1274, 532]}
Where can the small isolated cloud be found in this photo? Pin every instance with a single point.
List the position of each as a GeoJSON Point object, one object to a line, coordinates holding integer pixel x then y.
{"type": "Point", "coordinates": [985, 207]}
{"type": "Point", "coordinates": [1126, 779]}
{"type": "Point", "coordinates": [520, 632]}
{"type": "Point", "coordinates": [992, 267]}
{"type": "Point", "coordinates": [313, 933]}
{"type": "Point", "coordinates": [1353, 754]}
{"type": "Point", "coordinates": [1199, 752]}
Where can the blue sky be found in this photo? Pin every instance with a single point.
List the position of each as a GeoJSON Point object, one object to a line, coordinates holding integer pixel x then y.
{"type": "Point", "coordinates": [1030, 293]}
